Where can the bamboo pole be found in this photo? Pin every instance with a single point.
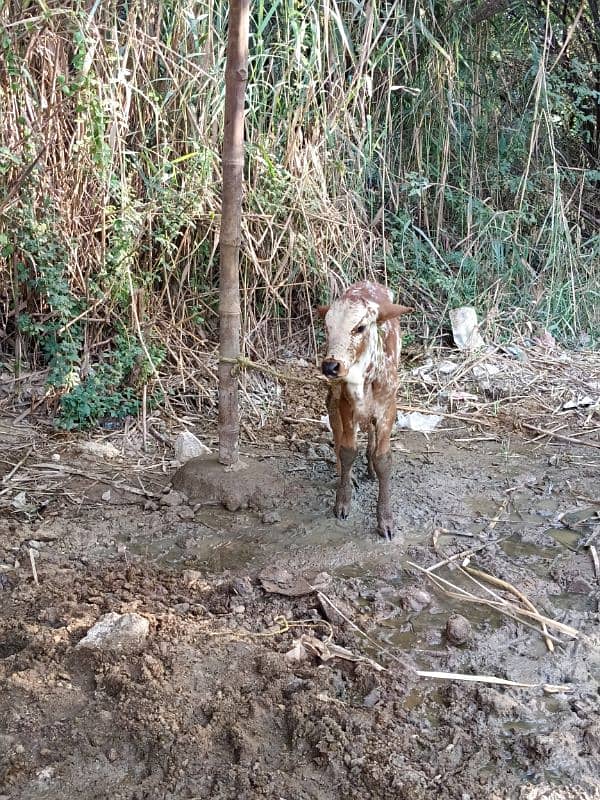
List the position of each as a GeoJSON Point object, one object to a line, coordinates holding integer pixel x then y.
{"type": "Point", "coordinates": [236, 76]}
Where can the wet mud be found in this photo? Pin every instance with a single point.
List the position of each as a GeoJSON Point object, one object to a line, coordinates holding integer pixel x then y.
{"type": "Point", "coordinates": [239, 690]}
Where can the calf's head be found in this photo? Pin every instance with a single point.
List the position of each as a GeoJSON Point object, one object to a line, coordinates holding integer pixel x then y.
{"type": "Point", "coordinates": [352, 335]}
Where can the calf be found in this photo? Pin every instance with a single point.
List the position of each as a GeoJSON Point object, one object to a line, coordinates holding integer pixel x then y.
{"type": "Point", "coordinates": [363, 346]}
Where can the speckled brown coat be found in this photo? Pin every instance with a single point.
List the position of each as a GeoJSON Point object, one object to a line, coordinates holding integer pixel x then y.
{"type": "Point", "coordinates": [362, 352]}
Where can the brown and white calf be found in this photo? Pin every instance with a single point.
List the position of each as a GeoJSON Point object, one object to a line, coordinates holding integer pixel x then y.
{"type": "Point", "coordinates": [362, 352]}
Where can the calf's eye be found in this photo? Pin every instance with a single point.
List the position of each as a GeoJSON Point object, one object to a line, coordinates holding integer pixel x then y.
{"type": "Point", "coordinates": [359, 328]}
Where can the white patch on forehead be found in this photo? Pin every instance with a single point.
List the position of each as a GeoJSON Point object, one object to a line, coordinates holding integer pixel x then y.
{"type": "Point", "coordinates": [345, 315]}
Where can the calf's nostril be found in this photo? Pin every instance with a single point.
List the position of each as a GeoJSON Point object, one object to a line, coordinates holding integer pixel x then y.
{"type": "Point", "coordinates": [330, 368]}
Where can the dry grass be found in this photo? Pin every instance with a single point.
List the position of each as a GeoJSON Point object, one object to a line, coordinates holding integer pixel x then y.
{"type": "Point", "coordinates": [378, 145]}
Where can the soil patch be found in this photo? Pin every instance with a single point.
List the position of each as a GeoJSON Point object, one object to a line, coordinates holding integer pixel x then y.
{"type": "Point", "coordinates": [214, 705]}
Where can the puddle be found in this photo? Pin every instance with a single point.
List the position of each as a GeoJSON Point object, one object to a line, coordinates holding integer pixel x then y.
{"type": "Point", "coordinates": [571, 519]}
{"type": "Point", "coordinates": [218, 540]}
{"type": "Point", "coordinates": [573, 601]}
{"type": "Point", "coordinates": [568, 538]}
{"type": "Point", "coordinates": [521, 726]}
{"type": "Point", "coordinates": [515, 546]}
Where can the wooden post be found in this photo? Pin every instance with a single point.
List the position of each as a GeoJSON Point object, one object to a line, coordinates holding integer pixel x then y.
{"type": "Point", "coordinates": [236, 76]}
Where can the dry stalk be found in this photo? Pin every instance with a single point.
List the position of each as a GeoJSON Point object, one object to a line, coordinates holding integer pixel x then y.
{"type": "Point", "coordinates": [501, 584]}
{"type": "Point", "coordinates": [246, 363]}
{"type": "Point", "coordinates": [560, 437]}
{"type": "Point", "coordinates": [493, 680]}
{"type": "Point", "coordinates": [33, 566]}
{"type": "Point", "coordinates": [502, 605]}
{"type": "Point", "coordinates": [63, 468]}
{"type": "Point", "coordinates": [594, 554]}
{"type": "Point", "coordinates": [17, 467]}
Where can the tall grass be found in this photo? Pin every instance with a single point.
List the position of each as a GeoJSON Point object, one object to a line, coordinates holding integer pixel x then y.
{"type": "Point", "coordinates": [456, 160]}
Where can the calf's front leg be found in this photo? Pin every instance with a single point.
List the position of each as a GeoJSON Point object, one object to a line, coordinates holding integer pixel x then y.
{"type": "Point", "coordinates": [344, 437]}
{"type": "Point", "coordinates": [372, 443]}
{"type": "Point", "coordinates": [382, 463]}
{"type": "Point", "coordinates": [343, 496]}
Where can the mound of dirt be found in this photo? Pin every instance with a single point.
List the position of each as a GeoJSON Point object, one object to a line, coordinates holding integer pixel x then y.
{"type": "Point", "coordinates": [251, 484]}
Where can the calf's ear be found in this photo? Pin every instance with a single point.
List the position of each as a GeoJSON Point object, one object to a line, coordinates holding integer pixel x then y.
{"type": "Point", "coordinates": [322, 310]}
{"type": "Point", "coordinates": [391, 310]}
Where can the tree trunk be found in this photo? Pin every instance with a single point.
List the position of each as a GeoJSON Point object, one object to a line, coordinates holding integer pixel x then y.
{"type": "Point", "coordinates": [236, 75]}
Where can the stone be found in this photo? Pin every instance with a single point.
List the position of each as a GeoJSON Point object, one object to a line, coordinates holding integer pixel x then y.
{"type": "Point", "coordinates": [99, 449]}
{"type": "Point", "coordinates": [580, 585]}
{"type": "Point", "coordinates": [458, 629]}
{"type": "Point", "coordinates": [172, 499]}
{"type": "Point", "coordinates": [242, 586]}
{"type": "Point", "coordinates": [37, 545]}
{"type": "Point", "coordinates": [188, 446]}
{"type": "Point", "coordinates": [416, 599]}
{"type": "Point", "coordinates": [185, 512]}
{"type": "Point", "coordinates": [118, 632]}
{"type": "Point", "coordinates": [271, 517]}
{"type": "Point", "coordinates": [372, 698]}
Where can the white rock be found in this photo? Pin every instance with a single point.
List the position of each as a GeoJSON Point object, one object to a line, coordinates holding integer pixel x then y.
{"type": "Point", "coordinates": [580, 403]}
{"type": "Point", "coordinates": [459, 396]}
{"type": "Point", "coordinates": [189, 446]}
{"type": "Point", "coordinates": [297, 654]}
{"type": "Point", "coordinates": [45, 775]}
{"type": "Point", "coordinates": [465, 328]}
{"type": "Point", "coordinates": [485, 370]}
{"type": "Point", "coordinates": [99, 449]}
{"type": "Point", "coordinates": [173, 499]}
{"type": "Point", "coordinates": [422, 370]}
{"type": "Point", "coordinates": [447, 367]}
{"type": "Point", "coordinates": [325, 422]}
{"type": "Point", "coordinates": [19, 501]}
{"type": "Point", "coordinates": [121, 632]}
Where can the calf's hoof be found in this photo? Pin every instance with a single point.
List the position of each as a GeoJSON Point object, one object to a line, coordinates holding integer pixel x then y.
{"type": "Point", "coordinates": [386, 528]}
{"type": "Point", "coordinates": [341, 510]}
{"type": "Point", "coordinates": [343, 501]}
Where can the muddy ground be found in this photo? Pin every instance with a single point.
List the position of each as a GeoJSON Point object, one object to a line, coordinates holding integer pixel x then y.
{"type": "Point", "coordinates": [212, 707]}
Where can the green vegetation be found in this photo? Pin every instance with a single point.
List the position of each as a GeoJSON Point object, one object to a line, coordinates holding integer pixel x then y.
{"type": "Point", "coordinates": [453, 147]}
